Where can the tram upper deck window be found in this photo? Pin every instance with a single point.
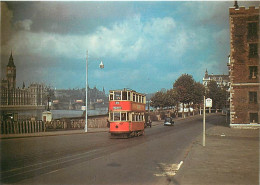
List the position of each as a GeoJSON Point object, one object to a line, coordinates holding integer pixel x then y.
{"type": "Point", "coordinates": [133, 96]}
{"type": "Point", "coordinates": [129, 96]}
{"type": "Point", "coordinates": [117, 95]}
{"type": "Point", "coordinates": [124, 95]}
{"type": "Point", "coordinates": [111, 96]}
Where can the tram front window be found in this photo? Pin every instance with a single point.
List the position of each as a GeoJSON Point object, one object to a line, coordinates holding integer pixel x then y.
{"type": "Point", "coordinates": [116, 116]}
{"type": "Point", "coordinates": [117, 96]}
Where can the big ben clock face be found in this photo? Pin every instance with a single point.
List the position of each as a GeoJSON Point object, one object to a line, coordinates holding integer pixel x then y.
{"type": "Point", "coordinates": [9, 71]}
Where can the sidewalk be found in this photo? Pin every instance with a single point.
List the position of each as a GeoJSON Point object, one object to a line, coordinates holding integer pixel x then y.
{"type": "Point", "coordinates": [53, 133]}
{"type": "Point", "coordinates": [230, 157]}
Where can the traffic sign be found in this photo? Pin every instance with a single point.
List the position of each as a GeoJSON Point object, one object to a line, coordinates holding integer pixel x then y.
{"type": "Point", "coordinates": [208, 102]}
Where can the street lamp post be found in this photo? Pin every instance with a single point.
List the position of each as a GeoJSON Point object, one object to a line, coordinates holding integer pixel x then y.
{"type": "Point", "coordinates": [101, 65]}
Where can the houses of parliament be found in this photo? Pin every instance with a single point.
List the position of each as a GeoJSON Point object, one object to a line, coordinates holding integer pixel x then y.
{"type": "Point", "coordinates": [10, 95]}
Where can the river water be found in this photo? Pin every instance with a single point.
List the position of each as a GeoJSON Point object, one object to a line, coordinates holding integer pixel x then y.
{"type": "Point", "coordinates": [57, 114]}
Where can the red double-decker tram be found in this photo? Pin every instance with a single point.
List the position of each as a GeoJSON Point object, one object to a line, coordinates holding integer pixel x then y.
{"type": "Point", "coordinates": [126, 113]}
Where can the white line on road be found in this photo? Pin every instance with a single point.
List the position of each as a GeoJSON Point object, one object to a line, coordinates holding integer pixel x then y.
{"type": "Point", "coordinates": [168, 169]}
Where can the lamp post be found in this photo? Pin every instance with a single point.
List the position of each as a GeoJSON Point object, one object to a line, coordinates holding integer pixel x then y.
{"type": "Point", "coordinates": [101, 66]}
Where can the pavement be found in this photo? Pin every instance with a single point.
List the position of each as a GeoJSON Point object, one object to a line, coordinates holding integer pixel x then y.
{"type": "Point", "coordinates": [67, 132]}
{"type": "Point", "coordinates": [53, 133]}
{"type": "Point", "coordinates": [230, 157]}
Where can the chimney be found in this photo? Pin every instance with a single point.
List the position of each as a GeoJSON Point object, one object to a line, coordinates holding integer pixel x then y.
{"type": "Point", "coordinates": [236, 5]}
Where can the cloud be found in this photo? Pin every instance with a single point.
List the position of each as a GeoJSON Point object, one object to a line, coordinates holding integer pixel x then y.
{"type": "Point", "coordinates": [24, 25]}
{"type": "Point", "coordinates": [6, 24]}
{"type": "Point", "coordinates": [143, 46]}
{"type": "Point", "coordinates": [126, 40]}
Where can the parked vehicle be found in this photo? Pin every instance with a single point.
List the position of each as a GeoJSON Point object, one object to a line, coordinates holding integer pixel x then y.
{"type": "Point", "coordinates": [168, 121]}
{"type": "Point", "coordinates": [148, 124]}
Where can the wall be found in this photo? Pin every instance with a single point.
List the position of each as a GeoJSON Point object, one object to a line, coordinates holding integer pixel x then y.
{"type": "Point", "coordinates": [23, 127]}
{"type": "Point", "coordinates": [239, 64]}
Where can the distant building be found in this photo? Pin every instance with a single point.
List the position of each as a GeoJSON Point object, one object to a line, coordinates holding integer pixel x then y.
{"type": "Point", "coordinates": [10, 95]}
{"type": "Point", "coordinates": [222, 80]}
{"type": "Point", "coordinates": [244, 66]}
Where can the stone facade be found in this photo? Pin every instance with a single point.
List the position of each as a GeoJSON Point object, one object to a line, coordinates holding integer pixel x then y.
{"type": "Point", "coordinates": [244, 65]}
{"type": "Point", "coordinates": [10, 95]}
{"type": "Point", "coordinates": [222, 80]}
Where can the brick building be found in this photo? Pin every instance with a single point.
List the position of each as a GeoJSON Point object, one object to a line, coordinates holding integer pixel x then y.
{"type": "Point", "coordinates": [244, 66]}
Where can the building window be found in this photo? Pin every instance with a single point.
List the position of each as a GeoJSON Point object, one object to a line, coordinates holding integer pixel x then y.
{"type": "Point", "coordinates": [253, 72]}
{"type": "Point", "coordinates": [253, 50]}
{"type": "Point", "coordinates": [252, 97]}
{"type": "Point", "coordinates": [253, 117]}
{"type": "Point", "coordinates": [252, 29]}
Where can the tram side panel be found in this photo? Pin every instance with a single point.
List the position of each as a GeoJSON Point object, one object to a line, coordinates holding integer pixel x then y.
{"type": "Point", "coordinates": [136, 126]}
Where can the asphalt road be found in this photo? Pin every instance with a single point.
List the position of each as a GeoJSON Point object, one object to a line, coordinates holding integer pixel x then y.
{"type": "Point", "coordinates": [94, 158]}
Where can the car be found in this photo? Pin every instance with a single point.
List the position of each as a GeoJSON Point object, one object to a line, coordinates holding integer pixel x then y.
{"type": "Point", "coordinates": [148, 124]}
{"type": "Point", "coordinates": [168, 121]}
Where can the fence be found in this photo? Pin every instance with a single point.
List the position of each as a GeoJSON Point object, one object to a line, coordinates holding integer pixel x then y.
{"type": "Point", "coordinates": [10, 127]}
{"type": "Point", "coordinates": [23, 127]}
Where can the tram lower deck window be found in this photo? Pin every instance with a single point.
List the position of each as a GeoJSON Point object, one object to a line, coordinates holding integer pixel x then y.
{"type": "Point", "coordinates": [116, 116]}
{"type": "Point", "coordinates": [123, 116]}
{"type": "Point", "coordinates": [119, 116]}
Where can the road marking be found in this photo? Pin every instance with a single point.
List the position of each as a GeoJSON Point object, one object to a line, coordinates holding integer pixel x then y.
{"type": "Point", "coordinates": [52, 172]}
{"type": "Point", "coordinates": [168, 169]}
{"type": "Point", "coordinates": [56, 161]}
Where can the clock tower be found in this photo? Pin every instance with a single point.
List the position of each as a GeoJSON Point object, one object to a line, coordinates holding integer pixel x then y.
{"type": "Point", "coordinates": [11, 73]}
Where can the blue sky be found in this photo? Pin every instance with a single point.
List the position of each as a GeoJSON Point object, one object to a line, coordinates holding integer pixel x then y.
{"type": "Point", "coordinates": [144, 46]}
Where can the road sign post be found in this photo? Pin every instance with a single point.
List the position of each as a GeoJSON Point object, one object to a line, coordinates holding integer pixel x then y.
{"type": "Point", "coordinates": [206, 103]}
{"type": "Point", "coordinates": [204, 124]}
